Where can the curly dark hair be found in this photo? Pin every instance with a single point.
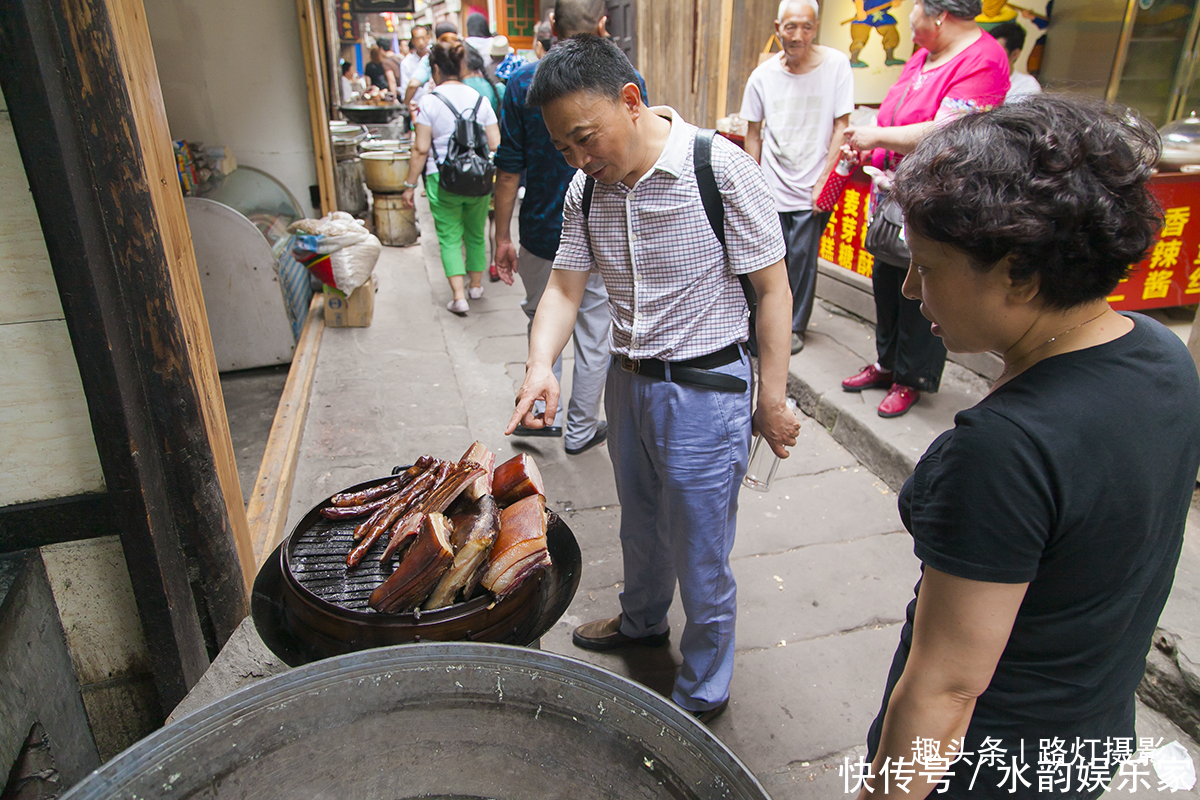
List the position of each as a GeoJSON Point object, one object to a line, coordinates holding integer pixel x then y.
{"type": "Point", "coordinates": [1057, 183]}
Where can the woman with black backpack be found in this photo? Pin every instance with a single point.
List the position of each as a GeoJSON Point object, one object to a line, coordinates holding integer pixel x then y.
{"type": "Point", "coordinates": [459, 128]}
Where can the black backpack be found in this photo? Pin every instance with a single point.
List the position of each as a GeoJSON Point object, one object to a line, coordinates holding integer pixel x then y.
{"type": "Point", "coordinates": [467, 170]}
{"type": "Point", "coordinates": [710, 198]}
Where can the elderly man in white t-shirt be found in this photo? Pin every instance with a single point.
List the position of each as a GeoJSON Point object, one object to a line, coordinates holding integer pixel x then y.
{"type": "Point", "coordinates": [796, 105]}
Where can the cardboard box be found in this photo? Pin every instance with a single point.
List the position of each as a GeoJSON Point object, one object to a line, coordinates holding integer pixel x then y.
{"type": "Point", "coordinates": [354, 311]}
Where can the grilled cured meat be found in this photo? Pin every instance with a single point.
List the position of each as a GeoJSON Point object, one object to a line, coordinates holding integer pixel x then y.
{"type": "Point", "coordinates": [520, 548]}
{"type": "Point", "coordinates": [472, 540]}
{"type": "Point", "coordinates": [353, 512]}
{"type": "Point", "coordinates": [407, 499]}
{"type": "Point", "coordinates": [420, 569]}
{"type": "Point", "coordinates": [460, 476]}
{"type": "Point", "coordinates": [365, 496]}
{"type": "Point", "coordinates": [515, 479]}
{"type": "Point", "coordinates": [435, 467]}
{"type": "Point", "coordinates": [477, 453]}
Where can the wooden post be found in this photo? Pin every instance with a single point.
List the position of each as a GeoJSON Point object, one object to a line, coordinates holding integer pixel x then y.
{"type": "Point", "coordinates": [314, 73]}
{"type": "Point", "coordinates": [81, 85]}
{"type": "Point", "coordinates": [724, 43]}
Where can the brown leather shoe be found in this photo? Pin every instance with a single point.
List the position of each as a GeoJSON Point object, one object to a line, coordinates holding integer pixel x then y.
{"type": "Point", "coordinates": [605, 634]}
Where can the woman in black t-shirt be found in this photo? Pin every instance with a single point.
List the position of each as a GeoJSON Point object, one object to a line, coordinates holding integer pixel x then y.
{"type": "Point", "coordinates": [1049, 520]}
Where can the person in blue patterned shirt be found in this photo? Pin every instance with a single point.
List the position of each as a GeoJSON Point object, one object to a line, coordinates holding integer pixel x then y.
{"type": "Point", "coordinates": [525, 146]}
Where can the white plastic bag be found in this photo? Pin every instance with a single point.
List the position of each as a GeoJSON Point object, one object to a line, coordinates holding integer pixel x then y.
{"type": "Point", "coordinates": [351, 248]}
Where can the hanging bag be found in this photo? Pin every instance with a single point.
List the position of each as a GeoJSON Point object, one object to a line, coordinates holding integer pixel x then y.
{"type": "Point", "coordinates": [467, 170]}
{"type": "Point", "coordinates": [885, 232]}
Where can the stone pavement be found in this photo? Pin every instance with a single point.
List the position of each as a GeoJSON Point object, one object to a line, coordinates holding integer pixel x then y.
{"type": "Point", "coordinates": [823, 565]}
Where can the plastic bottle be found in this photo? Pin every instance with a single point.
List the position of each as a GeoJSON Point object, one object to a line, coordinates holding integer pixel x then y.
{"type": "Point", "coordinates": [763, 461]}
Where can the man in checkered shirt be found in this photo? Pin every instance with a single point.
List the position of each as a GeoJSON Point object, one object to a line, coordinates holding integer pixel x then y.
{"type": "Point", "coordinates": [678, 390]}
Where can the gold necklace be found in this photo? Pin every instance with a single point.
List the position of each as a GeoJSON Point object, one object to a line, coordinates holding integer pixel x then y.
{"type": "Point", "coordinates": [1047, 343]}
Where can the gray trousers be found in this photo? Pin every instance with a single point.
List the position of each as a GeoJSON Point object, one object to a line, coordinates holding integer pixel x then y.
{"type": "Point", "coordinates": [591, 346]}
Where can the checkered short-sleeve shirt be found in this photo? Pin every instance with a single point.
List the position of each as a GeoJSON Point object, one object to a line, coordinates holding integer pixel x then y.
{"type": "Point", "coordinates": [674, 294]}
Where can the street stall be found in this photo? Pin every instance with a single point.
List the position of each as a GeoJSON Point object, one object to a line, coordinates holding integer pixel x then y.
{"type": "Point", "coordinates": [1168, 276]}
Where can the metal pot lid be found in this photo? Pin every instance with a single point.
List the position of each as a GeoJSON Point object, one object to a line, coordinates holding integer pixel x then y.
{"type": "Point", "coordinates": [386, 155]}
{"type": "Point", "coordinates": [385, 144]}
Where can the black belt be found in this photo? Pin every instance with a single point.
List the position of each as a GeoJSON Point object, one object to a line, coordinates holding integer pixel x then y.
{"type": "Point", "coordinates": [693, 371]}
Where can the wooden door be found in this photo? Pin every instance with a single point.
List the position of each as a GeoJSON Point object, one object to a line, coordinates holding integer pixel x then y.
{"type": "Point", "coordinates": [622, 26]}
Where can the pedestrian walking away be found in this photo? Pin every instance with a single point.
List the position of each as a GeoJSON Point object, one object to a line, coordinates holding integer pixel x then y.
{"type": "Point", "coordinates": [525, 146]}
{"type": "Point", "coordinates": [797, 106]}
{"type": "Point", "coordinates": [460, 221]}
{"type": "Point", "coordinates": [678, 393]}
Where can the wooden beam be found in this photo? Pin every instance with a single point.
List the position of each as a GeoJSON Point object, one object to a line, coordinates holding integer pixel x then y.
{"type": "Point", "coordinates": [314, 74]}
{"type": "Point", "coordinates": [150, 117]}
{"type": "Point", "coordinates": [75, 112]}
{"type": "Point", "coordinates": [723, 45]}
{"type": "Point", "coordinates": [64, 519]}
{"type": "Point", "coordinates": [272, 493]}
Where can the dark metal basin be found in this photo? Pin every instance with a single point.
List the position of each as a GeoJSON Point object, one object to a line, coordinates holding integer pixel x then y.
{"type": "Point", "coordinates": [435, 720]}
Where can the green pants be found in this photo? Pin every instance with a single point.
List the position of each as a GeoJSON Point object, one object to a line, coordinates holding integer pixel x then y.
{"type": "Point", "coordinates": [458, 220]}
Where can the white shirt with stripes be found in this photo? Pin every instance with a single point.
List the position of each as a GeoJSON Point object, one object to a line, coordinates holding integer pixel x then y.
{"type": "Point", "coordinates": [674, 294]}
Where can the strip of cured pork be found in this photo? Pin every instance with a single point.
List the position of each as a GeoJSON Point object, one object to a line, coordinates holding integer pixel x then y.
{"type": "Point", "coordinates": [520, 549]}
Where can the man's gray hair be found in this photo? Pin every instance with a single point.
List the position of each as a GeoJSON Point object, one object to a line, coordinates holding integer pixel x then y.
{"type": "Point", "coordinates": [963, 9]}
{"type": "Point", "coordinates": [783, 7]}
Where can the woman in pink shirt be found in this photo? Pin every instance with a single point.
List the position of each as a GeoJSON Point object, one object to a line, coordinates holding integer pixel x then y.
{"type": "Point", "coordinates": [959, 69]}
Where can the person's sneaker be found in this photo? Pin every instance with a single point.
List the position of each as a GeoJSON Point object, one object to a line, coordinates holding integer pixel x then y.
{"type": "Point", "coordinates": [797, 342]}
{"type": "Point", "coordinates": [459, 307]}
{"type": "Point", "coordinates": [474, 292]}
{"type": "Point", "coordinates": [493, 274]}
{"type": "Point", "coordinates": [709, 714]}
{"type": "Point", "coordinates": [871, 377]}
{"type": "Point", "coordinates": [899, 400]}
{"type": "Point", "coordinates": [856, 64]}
{"type": "Point", "coordinates": [599, 436]}
{"type": "Point", "coordinates": [605, 634]}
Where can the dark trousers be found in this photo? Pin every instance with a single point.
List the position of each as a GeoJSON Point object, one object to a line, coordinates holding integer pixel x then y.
{"type": "Point", "coordinates": [902, 336]}
{"type": "Point", "coordinates": [802, 233]}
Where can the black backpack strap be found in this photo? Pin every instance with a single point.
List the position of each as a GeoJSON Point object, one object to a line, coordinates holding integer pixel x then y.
{"type": "Point", "coordinates": [449, 105]}
{"type": "Point", "coordinates": [710, 196]}
{"type": "Point", "coordinates": [589, 186]}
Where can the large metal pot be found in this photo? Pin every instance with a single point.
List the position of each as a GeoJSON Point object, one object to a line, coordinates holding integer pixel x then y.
{"type": "Point", "coordinates": [386, 171]}
{"type": "Point", "coordinates": [433, 720]}
{"type": "Point", "coordinates": [1180, 143]}
{"type": "Point", "coordinates": [368, 115]}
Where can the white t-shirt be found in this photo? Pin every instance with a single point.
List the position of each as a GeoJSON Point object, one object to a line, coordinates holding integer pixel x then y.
{"type": "Point", "coordinates": [483, 44]}
{"type": "Point", "coordinates": [433, 112]}
{"type": "Point", "coordinates": [1022, 83]}
{"type": "Point", "coordinates": [407, 68]}
{"type": "Point", "coordinates": [797, 112]}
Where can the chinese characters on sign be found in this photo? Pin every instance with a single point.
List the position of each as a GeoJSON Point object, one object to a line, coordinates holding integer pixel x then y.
{"type": "Point", "coordinates": [1053, 767]}
{"type": "Point", "coordinates": [1169, 275]}
{"type": "Point", "coordinates": [841, 242]}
